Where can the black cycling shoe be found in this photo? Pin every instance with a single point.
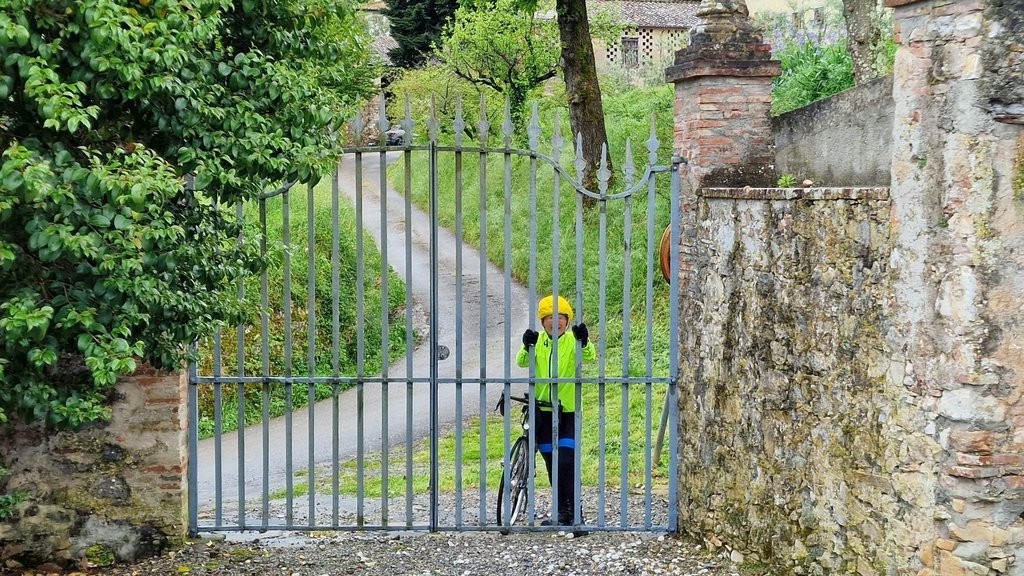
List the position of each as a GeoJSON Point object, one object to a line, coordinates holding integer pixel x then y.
{"type": "Point", "coordinates": [567, 521]}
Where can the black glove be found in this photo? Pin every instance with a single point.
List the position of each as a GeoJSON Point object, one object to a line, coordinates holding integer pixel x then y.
{"type": "Point", "coordinates": [581, 333]}
{"type": "Point", "coordinates": [530, 337]}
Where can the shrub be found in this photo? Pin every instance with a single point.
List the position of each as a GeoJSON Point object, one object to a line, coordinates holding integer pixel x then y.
{"type": "Point", "coordinates": [810, 72]}
{"type": "Point", "coordinates": [106, 257]}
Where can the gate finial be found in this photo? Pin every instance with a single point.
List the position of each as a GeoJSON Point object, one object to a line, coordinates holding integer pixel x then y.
{"type": "Point", "coordinates": [603, 173]}
{"type": "Point", "coordinates": [482, 125]}
{"type": "Point", "coordinates": [652, 143]}
{"type": "Point", "coordinates": [407, 123]}
{"type": "Point", "coordinates": [579, 163]}
{"type": "Point", "coordinates": [433, 125]}
{"type": "Point", "coordinates": [459, 125]}
{"type": "Point", "coordinates": [382, 120]}
{"type": "Point", "coordinates": [556, 139]}
{"type": "Point", "coordinates": [506, 126]}
{"type": "Point", "coordinates": [533, 130]}
{"type": "Point", "coordinates": [357, 128]}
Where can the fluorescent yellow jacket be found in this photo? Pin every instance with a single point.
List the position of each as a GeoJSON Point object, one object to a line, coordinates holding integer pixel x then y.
{"type": "Point", "coordinates": [566, 367]}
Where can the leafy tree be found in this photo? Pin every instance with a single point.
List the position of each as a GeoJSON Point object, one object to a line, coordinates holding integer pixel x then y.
{"type": "Point", "coordinates": [865, 35]}
{"type": "Point", "coordinates": [106, 256]}
{"type": "Point", "coordinates": [417, 25]}
{"type": "Point", "coordinates": [497, 46]}
{"type": "Point", "coordinates": [586, 115]}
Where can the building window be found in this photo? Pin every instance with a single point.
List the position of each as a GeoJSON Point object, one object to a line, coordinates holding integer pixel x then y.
{"type": "Point", "coordinates": [630, 52]}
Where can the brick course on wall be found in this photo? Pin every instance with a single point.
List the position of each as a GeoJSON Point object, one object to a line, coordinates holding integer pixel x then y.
{"type": "Point", "coordinates": [113, 489]}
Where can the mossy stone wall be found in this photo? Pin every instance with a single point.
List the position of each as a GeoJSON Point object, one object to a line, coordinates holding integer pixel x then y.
{"type": "Point", "coordinates": [114, 490]}
{"type": "Point", "coordinates": [797, 448]}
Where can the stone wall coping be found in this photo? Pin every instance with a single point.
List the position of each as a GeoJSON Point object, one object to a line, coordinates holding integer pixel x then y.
{"type": "Point", "coordinates": [725, 68]}
{"type": "Point", "coordinates": [818, 193]}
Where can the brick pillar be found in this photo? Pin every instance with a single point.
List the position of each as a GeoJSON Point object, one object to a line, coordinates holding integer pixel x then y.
{"type": "Point", "coordinates": [958, 268]}
{"type": "Point", "coordinates": [723, 100]}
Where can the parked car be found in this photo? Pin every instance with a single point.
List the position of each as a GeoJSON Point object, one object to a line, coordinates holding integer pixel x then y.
{"type": "Point", "coordinates": [395, 135]}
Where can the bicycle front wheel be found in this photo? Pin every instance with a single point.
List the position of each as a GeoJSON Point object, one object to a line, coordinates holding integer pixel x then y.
{"type": "Point", "coordinates": [517, 475]}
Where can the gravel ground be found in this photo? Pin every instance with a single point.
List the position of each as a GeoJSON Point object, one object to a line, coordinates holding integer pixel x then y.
{"type": "Point", "coordinates": [446, 553]}
{"type": "Point", "coordinates": [437, 554]}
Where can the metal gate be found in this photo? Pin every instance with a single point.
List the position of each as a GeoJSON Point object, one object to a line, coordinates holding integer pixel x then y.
{"type": "Point", "coordinates": [371, 407]}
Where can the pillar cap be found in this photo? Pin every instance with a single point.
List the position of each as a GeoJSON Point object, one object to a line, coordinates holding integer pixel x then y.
{"type": "Point", "coordinates": [732, 68]}
{"type": "Point", "coordinates": [724, 44]}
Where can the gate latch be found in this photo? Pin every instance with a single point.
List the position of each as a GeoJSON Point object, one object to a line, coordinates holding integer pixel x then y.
{"type": "Point", "coordinates": [442, 352]}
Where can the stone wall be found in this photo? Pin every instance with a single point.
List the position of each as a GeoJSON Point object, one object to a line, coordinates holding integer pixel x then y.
{"type": "Point", "coordinates": [111, 491]}
{"type": "Point", "coordinates": [852, 366]}
{"type": "Point", "coordinates": [1002, 60]}
{"type": "Point", "coordinates": [797, 448]}
{"type": "Point", "coordinates": [959, 253]}
{"type": "Point", "coordinates": [845, 140]}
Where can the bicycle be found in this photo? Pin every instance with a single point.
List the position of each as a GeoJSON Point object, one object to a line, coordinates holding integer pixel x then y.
{"type": "Point", "coordinates": [519, 465]}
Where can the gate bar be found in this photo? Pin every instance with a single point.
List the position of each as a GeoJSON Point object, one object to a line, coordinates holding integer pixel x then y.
{"type": "Point", "coordinates": [482, 129]}
{"type": "Point", "coordinates": [286, 212]}
{"type": "Point", "coordinates": [385, 326]}
{"type": "Point", "coordinates": [311, 353]}
{"type": "Point", "coordinates": [673, 345]}
{"type": "Point", "coordinates": [627, 289]}
{"type": "Point", "coordinates": [579, 165]}
{"type": "Point", "coordinates": [360, 343]}
{"type": "Point", "coordinates": [652, 249]}
{"type": "Point", "coordinates": [265, 358]}
{"type": "Point", "coordinates": [335, 346]}
{"type": "Point", "coordinates": [458, 127]}
{"type": "Point", "coordinates": [434, 423]}
{"type": "Point", "coordinates": [240, 339]}
{"type": "Point", "coordinates": [409, 393]}
{"type": "Point", "coordinates": [506, 129]}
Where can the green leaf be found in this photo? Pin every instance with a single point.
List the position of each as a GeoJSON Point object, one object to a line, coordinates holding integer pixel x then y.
{"type": "Point", "coordinates": [13, 181]}
{"type": "Point", "coordinates": [121, 223]}
{"type": "Point", "coordinates": [203, 180]}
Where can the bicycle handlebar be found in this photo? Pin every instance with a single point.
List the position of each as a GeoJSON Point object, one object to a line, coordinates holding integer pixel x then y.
{"type": "Point", "coordinates": [525, 399]}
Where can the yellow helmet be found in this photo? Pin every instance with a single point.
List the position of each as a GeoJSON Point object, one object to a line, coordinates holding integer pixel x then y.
{"type": "Point", "coordinates": [546, 307]}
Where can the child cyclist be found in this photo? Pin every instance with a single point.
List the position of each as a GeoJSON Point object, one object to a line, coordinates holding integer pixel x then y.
{"type": "Point", "coordinates": [554, 336]}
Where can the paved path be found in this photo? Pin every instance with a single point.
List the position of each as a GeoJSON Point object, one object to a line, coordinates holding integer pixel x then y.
{"type": "Point", "coordinates": [418, 282]}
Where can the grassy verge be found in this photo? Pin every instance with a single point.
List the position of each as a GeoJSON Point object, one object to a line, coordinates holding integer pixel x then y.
{"type": "Point", "coordinates": [472, 445]}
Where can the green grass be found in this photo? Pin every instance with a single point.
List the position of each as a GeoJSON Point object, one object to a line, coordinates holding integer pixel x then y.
{"type": "Point", "coordinates": [278, 362]}
{"type": "Point", "coordinates": [495, 449]}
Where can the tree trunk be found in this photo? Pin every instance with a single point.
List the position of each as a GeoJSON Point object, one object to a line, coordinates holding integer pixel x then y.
{"type": "Point", "coordinates": [586, 115]}
{"type": "Point", "coordinates": [863, 37]}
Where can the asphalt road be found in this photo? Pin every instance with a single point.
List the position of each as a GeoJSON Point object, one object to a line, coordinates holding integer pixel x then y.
{"type": "Point", "coordinates": [474, 360]}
